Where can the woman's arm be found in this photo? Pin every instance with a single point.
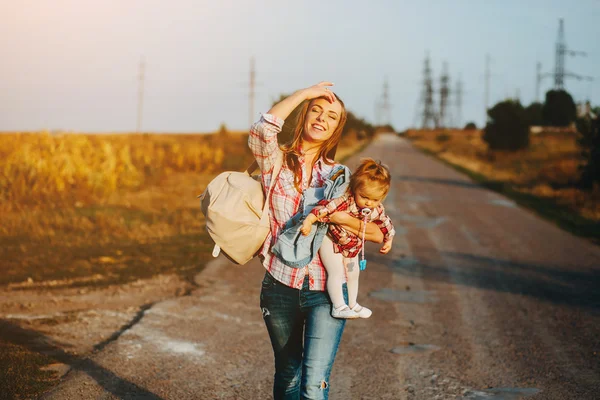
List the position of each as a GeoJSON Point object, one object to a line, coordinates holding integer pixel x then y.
{"type": "Point", "coordinates": [262, 139]}
{"type": "Point", "coordinates": [354, 225]}
{"type": "Point", "coordinates": [285, 107]}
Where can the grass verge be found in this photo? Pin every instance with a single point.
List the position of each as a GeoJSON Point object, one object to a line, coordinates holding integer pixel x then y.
{"type": "Point", "coordinates": [546, 208]}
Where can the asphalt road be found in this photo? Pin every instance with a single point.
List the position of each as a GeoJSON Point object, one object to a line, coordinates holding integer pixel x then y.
{"type": "Point", "coordinates": [479, 299]}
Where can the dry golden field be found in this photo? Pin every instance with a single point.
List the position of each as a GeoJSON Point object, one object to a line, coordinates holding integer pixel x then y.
{"type": "Point", "coordinates": [36, 168]}
{"type": "Point", "coordinates": [547, 171]}
{"type": "Point", "coordinates": [93, 210]}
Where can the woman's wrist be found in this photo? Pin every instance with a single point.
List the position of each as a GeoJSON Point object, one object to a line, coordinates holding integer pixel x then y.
{"type": "Point", "coordinates": [285, 107]}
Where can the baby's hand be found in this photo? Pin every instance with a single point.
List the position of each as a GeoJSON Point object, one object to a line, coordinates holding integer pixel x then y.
{"type": "Point", "coordinates": [387, 246]}
{"type": "Point", "coordinates": [307, 224]}
{"type": "Point", "coordinates": [306, 227]}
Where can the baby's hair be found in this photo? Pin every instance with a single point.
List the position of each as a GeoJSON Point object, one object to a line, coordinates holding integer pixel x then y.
{"type": "Point", "coordinates": [370, 173]}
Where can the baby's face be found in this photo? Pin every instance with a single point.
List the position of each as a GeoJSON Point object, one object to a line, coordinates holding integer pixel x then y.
{"type": "Point", "coordinates": [369, 197]}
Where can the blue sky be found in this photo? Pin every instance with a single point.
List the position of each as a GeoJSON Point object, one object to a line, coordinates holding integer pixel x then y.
{"type": "Point", "coordinates": [73, 64]}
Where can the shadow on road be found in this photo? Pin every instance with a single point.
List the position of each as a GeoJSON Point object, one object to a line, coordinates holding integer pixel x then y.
{"type": "Point", "coordinates": [545, 282]}
{"type": "Point", "coordinates": [453, 182]}
{"type": "Point", "coordinates": [42, 344]}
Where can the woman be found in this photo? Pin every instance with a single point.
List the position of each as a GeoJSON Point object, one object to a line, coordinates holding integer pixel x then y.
{"type": "Point", "coordinates": [294, 303]}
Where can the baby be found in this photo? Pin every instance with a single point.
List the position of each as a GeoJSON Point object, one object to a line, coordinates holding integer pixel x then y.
{"type": "Point", "coordinates": [369, 185]}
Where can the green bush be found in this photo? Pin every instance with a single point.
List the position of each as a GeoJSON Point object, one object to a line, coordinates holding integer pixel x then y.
{"type": "Point", "coordinates": [534, 114]}
{"type": "Point", "coordinates": [559, 108]}
{"type": "Point", "coordinates": [470, 126]}
{"type": "Point", "coordinates": [589, 142]}
{"type": "Point", "coordinates": [508, 127]}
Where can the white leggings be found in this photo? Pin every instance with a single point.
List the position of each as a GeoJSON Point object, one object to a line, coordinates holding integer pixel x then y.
{"type": "Point", "coordinates": [334, 264]}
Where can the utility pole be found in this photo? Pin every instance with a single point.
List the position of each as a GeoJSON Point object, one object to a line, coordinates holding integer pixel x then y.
{"type": "Point", "coordinates": [140, 110]}
{"type": "Point", "coordinates": [425, 109]}
{"type": "Point", "coordinates": [559, 64]}
{"type": "Point", "coordinates": [560, 72]}
{"type": "Point", "coordinates": [487, 86]}
{"type": "Point", "coordinates": [444, 95]}
{"type": "Point", "coordinates": [559, 57]}
{"type": "Point", "coordinates": [538, 81]}
{"type": "Point", "coordinates": [251, 93]}
{"type": "Point", "coordinates": [459, 92]}
{"type": "Point", "coordinates": [384, 116]}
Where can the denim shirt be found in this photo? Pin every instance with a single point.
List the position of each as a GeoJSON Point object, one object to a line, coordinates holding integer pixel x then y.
{"type": "Point", "coordinates": [292, 247]}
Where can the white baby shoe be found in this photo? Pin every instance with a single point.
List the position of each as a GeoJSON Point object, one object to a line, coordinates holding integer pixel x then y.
{"type": "Point", "coordinates": [344, 312]}
{"type": "Point", "coordinates": [363, 312]}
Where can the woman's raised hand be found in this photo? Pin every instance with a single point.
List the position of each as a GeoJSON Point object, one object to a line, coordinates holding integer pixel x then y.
{"type": "Point", "coordinates": [285, 107]}
{"type": "Point", "coordinates": [321, 89]}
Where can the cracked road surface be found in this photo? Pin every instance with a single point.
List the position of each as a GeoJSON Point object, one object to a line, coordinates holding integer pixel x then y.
{"type": "Point", "coordinates": [479, 299]}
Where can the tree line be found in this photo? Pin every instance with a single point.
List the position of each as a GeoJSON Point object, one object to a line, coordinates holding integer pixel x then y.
{"type": "Point", "coordinates": [508, 128]}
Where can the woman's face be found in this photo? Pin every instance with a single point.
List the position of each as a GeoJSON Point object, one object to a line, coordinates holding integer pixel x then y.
{"type": "Point", "coordinates": [321, 120]}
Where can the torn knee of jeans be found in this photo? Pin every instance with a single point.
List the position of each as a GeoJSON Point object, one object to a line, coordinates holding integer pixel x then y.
{"type": "Point", "coordinates": [324, 385]}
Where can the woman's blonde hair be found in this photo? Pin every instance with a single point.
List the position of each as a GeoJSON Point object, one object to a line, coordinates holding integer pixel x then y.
{"type": "Point", "coordinates": [291, 150]}
{"type": "Point", "coordinates": [371, 173]}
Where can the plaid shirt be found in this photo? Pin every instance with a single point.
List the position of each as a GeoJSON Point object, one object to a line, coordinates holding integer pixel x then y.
{"type": "Point", "coordinates": [285, 201]}
{"type": "Point", "coordinates": [346, 242]}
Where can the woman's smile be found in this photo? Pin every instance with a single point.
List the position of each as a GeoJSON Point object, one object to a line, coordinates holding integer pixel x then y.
{"type": "Point", "coordinates": [319, 127]}
{"type": "Point", "coordinates": [321, 120]}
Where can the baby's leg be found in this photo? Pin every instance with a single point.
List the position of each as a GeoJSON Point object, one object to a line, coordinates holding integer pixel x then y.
{"type": "Point", "coordinates": [353, 274]}
{"type": "Point", "coordinates": [352, 266]}
{"type": "Point", "coordinates": [334, 264]}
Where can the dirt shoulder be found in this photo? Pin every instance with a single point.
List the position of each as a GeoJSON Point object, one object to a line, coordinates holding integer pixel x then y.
{"type": "Point", "coordinates": [44, 330]}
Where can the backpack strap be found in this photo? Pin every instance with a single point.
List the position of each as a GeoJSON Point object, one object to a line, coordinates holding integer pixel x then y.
{"type": "Point", "coordinates": [252, 167]}
{"type": "Point", "coordinates": [274, 175]}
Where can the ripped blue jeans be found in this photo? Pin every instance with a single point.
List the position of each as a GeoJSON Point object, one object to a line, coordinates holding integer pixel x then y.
{"type": "Point", "coordinates": [305, 338]}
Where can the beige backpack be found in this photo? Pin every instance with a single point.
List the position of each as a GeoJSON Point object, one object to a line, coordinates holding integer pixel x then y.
{"type": "Point", "coordinates": [237, 215]}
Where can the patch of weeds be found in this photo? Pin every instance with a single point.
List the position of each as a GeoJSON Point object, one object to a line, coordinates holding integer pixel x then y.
{"type": "Point", "coordinates": [115, 261]}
